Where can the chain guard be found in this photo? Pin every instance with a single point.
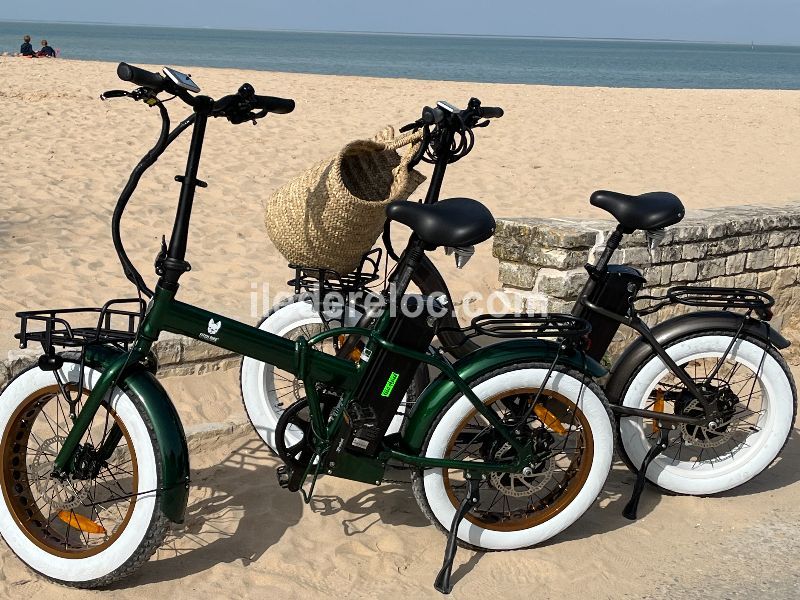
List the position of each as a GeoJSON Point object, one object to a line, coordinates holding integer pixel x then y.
{"type": "Point", "coordinates": [298, 417]}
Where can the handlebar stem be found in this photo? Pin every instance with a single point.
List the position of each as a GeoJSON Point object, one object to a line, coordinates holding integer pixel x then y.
{"type": "Point", "coordinates": [443, 153]}
{"type": "Point", "coordinates": [175, 264]}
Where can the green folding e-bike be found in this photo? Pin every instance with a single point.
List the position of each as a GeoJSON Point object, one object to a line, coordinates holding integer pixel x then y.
{"type": "Point", "coordinates": [508, 446]}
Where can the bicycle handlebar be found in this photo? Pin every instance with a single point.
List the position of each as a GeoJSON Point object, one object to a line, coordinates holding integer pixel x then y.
{"type": "Point", "coordinates": [242, 106]}
{"type": "Point", "coordinates": [141, 77]}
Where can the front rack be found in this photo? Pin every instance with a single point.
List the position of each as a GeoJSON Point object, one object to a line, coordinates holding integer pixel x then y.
{"type": "Point", "coordinates": [712, 297]}
{"type": "Point", "coordinates": [113, 323]}
{"type": "Point", "coordinates": [565, 328]}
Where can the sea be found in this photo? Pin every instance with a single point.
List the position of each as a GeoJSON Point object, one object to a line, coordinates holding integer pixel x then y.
{"type": "Point", "coordinates": [550, 61]}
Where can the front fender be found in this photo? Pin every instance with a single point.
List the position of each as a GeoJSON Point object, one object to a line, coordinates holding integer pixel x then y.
{"type": "Point", "coordinates": [173, 451]}
{"type": "Point", "coordinates": [677, 327]}
{"type": "Point", "coordinates": [441, 390]}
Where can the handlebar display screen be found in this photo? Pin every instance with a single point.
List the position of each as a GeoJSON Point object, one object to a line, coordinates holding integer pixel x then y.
{"type": "Point", "coordinates": [181, 79]}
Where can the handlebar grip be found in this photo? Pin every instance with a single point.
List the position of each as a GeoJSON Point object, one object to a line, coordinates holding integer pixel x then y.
{"type": "Point", "coordinates": [140, 77]}
{"type": "Point", "coordinates": [279, 106]}
{"type": "Point", "coordinates": [491, 112]}
{"type": "Point", "coordinates": [432, 116]}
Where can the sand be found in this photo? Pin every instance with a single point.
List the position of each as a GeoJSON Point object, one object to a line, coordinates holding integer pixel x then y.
{"type": "Point", "coordinates": [66, 156]}
{"type": "Point", "coordinates": [247, 538]}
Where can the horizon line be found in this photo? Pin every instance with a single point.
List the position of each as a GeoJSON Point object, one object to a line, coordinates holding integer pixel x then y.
{"type": "Point", "coordinates": [406, 33]}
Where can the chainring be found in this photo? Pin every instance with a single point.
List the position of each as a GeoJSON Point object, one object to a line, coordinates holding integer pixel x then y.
{"type": "Point", "coordinates": [298, 418]}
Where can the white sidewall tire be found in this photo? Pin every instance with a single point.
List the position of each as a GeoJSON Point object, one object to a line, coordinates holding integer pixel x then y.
{"type": "Point", "coordinates": [597, 416]}
{"type": "Point", "coordinates": [82, 570]}
{"type": "Point", "coordinates": [746, 463]}
{"type": "Point", "coordinates": [257, 378]}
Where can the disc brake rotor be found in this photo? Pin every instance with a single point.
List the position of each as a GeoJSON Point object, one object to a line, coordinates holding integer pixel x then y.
{"type": "Point", "coordinates": [518, 485]}
{"type": "Point", "coordinates": [705, 437]}
{"type": "Point", "coordinates": [60, 495]}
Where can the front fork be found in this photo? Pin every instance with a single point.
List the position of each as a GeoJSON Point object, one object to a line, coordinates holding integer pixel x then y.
{"type": "Point", "coordinates": [108, 380]}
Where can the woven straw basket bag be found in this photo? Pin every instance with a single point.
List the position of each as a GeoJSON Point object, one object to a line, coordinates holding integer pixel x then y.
{"type": "Point", "coordinates": [331, 214]}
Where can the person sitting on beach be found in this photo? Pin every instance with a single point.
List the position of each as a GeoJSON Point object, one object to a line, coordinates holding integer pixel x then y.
{"type": "Point", "coordinates": [46, 50]}
{"type": "Point", "coordinates": [26, 49]}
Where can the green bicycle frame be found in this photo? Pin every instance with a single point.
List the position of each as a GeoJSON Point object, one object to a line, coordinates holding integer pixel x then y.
{"type": "Point", "coordinates": [299, 358]}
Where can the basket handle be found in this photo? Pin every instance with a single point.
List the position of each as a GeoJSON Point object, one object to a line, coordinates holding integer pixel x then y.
{"type": "Point", "coordinates": [412, 139]}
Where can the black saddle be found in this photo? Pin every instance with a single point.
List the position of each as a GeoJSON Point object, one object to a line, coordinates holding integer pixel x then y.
{"type": "Point", "coordinates": [647, 211]}
{"type": "Point", "coordinates": [453, 222]}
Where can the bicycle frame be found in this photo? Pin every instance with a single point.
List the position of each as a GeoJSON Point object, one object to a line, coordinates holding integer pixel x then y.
{"type": "Point", "coordinates": [165, 313]}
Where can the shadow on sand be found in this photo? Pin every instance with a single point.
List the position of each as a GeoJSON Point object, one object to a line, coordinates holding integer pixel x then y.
{"type": "Point", "coordinates": [228, 501]}
{"type": "Point", "coordinates": [241, 494]}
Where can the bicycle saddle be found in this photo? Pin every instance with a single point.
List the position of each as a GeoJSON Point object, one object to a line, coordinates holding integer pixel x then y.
{"type": "Point", "coordinates": [646, 211]}
{"type": "Point", "coordinates": [453, 222]}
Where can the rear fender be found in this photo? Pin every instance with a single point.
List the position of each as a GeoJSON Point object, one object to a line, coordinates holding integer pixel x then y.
{"type": "Point", "coordinates": [640, 351]}
{"type": "Point", "coordinates": [174, 454]}
{"type": "Point", "coordinates": [442, 390]}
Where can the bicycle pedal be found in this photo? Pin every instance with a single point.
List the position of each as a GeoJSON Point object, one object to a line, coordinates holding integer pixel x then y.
{"type": "Point", "coordinates": [282, 473]}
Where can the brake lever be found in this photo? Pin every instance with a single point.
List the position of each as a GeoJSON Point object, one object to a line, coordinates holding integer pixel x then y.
{"type": "Point", "coordinates": [412, 126]}
{"type": "Point", "coordinates": [114, 94]}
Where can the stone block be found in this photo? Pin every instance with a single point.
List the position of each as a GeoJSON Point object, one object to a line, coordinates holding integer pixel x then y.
{"type": "Point", "coordinates": [168, 350]}
{"type": "Point", "coordinates": [195, 351]}
{"type": "Point", "coordinates": [785, 278]}
{"type": "Point", "coordinates": [757, 241]}
{"type": "Point", "coordinates": [760, 259]}
{"type": "Point", "coordinates": [746, 280]}
{"type": "Point", "coordinates": [735, 263]}
{"type": "Point", "coordinates": [636, 257]}
{"type": "Point", "coordinates": [789, 237]}
{"type": "Point", "coordinates": [709, 269]}
{"type": "Point", "coordinates": [766, 279]}
{"type": "Point", "coordinates": [556, 258]}
{"type": "Point", "coordinates": [20, 359]}
{"type": "Point", "coordinates": [508, 248]}
{"type": "Point", "coordinates": [517, 275]}
{"type": "Point", "coordinates": [5, 376]}
{"type": "Point", "coordinates": [683, 272]}
{"type": "Point", "coordinates": [722, 247]}
{"type": "Point", "coordinates": [561, 284]}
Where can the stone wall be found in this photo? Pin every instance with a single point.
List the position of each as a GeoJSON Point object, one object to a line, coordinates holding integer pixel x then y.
{"type": "Point", "coordinates": [176, 356]}
{"type": "Point", "coordinates": [746, 246]}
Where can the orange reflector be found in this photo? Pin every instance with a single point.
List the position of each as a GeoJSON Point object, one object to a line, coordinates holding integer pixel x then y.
{"type": "Point", "coordinates": [355, 355]}
{"type": "Point", "coordinates": [549, 419]}
{"type": "Point", "coordinates": [80, 522]}
{"type": "Point", "coordinates": [658, 406]}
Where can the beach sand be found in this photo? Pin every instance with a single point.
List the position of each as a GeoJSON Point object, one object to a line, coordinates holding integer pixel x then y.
{"type": "Point", "coordinates": [66, 155]}
{"type": "Point", "coordinates": [245, 537]}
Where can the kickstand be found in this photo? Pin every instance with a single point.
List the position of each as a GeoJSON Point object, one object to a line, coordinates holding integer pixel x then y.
{"type": "Point", "coordinates": [442, 583]}
{"type": "Point", "coordinates": [629, 512]}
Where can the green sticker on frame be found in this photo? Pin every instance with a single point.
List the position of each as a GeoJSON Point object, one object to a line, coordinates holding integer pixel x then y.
{"type": "Point", "coordinates": [387, 389]}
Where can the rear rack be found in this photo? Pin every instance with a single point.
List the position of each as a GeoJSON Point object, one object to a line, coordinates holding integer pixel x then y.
{"type": "Point", "coordinates": [326, 281]}
{"type": "Point", "coordinates": [565, 328]}
{"type": "Point", "coordinates": [712, 297]}
{"type": "Point", "coordinates": [116, 326]}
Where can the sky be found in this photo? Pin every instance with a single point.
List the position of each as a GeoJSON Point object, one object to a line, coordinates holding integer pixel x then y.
{"type": "Point", "coordinates": [762, 21]}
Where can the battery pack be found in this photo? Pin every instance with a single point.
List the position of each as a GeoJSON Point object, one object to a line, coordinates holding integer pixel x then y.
{"type": "Point", "coordinates": [615, 291]}
{"type": "Point", "coordinates": [388, 377]}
